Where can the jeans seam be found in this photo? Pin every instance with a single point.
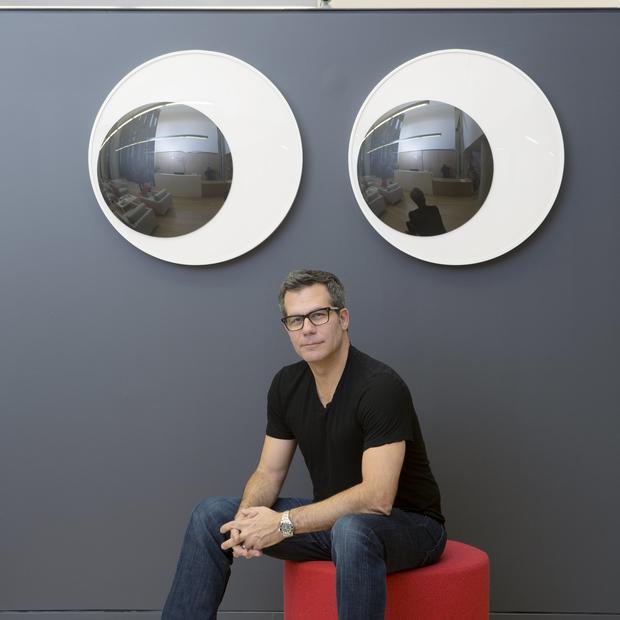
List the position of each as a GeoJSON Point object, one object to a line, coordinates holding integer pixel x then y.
{"type": "Point", "coordinates": [439, 543]}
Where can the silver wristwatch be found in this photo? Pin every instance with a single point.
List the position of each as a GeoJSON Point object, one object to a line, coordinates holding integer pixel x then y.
{"type": "Point", "coordinates": [286, 526]}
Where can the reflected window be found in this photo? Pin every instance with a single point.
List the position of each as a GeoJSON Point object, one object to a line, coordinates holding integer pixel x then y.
{"type": "Point", "coordinates": [425, 168]}
{"type": "Point", "coordinates": [165, 169]}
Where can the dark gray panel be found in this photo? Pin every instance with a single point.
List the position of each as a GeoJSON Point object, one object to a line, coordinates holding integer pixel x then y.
{"type": "Point", "coordinates": [136, 615]}
{"type": "Point", "coordinates": [81, 615]}
{"type": "Point", "coordinates": [128, 383]}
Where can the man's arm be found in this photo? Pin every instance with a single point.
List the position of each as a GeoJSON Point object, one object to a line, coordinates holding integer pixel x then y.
{"type": "Point", "coordinates": [381, 468]}
{"type": "Point", "coordinates": [265, 483]}
{"type": "Point", "coordinates": [257, 526]}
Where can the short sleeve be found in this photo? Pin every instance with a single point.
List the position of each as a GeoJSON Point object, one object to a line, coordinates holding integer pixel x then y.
{"type": "Point", "coordinates": [386, 412]}
{"type": "Point", "coordinates": [276, 423]}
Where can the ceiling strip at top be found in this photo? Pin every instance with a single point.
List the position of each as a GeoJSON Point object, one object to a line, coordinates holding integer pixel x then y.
{"type": "Point", "coordinates": [274, 5]}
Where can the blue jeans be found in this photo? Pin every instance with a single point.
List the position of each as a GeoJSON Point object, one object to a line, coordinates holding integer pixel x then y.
{"type": "Point", "coordinates": [364, 547]}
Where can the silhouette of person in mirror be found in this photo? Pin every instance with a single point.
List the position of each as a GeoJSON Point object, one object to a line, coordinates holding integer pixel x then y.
{"type": "Point", "coordinates": [425, 221]}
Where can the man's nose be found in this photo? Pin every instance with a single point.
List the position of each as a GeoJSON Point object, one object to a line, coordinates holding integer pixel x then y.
{"type": "Point", "coordinates": [308, 325]}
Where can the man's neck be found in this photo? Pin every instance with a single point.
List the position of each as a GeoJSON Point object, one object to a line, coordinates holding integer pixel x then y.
{"type": "Point", "coordinates": [327, 372]}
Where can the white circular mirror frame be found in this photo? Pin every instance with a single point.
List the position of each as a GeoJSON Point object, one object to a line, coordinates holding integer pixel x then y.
{"type": "Point", "coordinates": [525, 138]}
{"type": "Point", "coordinates": [261, 132]}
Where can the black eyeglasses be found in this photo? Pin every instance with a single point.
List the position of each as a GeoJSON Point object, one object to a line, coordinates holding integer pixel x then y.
{"type": "Point", "coordinates": [317, 317]}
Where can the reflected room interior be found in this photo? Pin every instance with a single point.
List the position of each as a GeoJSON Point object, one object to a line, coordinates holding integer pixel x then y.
{"type": "Point", "coordinates": [165, 169]}
{"type": "Point", "coordinates": [425, 168]}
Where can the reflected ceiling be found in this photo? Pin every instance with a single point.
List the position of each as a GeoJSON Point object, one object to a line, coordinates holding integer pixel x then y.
{"type": "Point", "coordinates": [164, 169]}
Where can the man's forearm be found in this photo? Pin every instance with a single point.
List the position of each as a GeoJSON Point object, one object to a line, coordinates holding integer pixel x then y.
{"type": "Point", "coordinates": [260, 490]}
{"type": "Point", "coordinates": [322, 515]}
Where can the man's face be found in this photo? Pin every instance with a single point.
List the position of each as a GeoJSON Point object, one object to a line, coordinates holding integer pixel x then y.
{"type": "Point", "coordinates": [315, 343]}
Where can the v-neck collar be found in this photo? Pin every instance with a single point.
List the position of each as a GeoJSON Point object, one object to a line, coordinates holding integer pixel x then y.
{"type": "Point", "coordinates": [324, 408]}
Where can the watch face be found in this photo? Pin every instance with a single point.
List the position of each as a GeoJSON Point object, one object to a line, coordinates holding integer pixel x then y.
{"type": "Point", "coordinates": [286, 529]}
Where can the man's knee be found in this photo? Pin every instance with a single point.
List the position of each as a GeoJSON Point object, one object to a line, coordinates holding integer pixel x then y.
{"type": "Point", "coordinates": [213, 512]}
{"type": "Point", "coordinates": [353, 533]}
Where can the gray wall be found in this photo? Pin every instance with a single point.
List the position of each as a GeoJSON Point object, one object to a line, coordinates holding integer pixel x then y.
{"type": "Point", "coordinates": [132, 388]}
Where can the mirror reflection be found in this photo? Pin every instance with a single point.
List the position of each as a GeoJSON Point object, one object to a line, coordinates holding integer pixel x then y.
{"type": "Point", "coordinates": [165, 169]}
{"type": "Point", "coordinates": [425, 168]}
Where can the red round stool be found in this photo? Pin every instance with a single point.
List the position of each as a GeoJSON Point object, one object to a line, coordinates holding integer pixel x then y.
{"type": "Point", "coordinates": [455, 588]}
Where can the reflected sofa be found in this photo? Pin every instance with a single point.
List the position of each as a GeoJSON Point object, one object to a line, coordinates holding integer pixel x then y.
{"type": "Point", "coordinates": [374, 200]}
{"type": "Point", "coordinates": [131, 211]}
{"type": "Point", "coordinates": [392, 194]}
{"type": "Point", "coordinates": [160, 201]}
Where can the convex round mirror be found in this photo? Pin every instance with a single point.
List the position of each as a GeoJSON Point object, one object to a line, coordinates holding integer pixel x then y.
{"type": "Point", "coordinates": [162, 149]}
{"type": "Point", "coordinates": [479, 140]}
{"type": "Point", "coordinates": [425, 168]}
{"type": "Point", "coordinates": [164, 169]}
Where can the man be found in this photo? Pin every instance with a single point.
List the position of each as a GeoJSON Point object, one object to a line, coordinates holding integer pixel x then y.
{"type": "Point", "coordinates": [376, 505]}
{"type": "Point", "coordinates": [425, 221]}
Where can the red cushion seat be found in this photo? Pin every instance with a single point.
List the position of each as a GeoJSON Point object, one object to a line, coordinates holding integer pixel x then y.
{"type": "Point", "coordinates": [456, 587]}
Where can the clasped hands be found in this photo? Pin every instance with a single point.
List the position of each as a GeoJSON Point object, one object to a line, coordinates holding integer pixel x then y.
{"type": "Point", "coordinates": [252, 529]}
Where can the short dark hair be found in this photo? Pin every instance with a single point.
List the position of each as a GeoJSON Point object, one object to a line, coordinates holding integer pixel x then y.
{"type": "Point", "coordinates": [307, 277]}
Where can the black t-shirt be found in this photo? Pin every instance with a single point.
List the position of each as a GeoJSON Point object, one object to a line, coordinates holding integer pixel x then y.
{"type": "Point", "coordinates": [425, 222]}
{"type": "Point", "coordinates": [371, 407]}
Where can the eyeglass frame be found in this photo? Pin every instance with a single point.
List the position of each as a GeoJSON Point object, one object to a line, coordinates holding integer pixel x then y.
{"type": "Point", "coordinates": [307, 316]}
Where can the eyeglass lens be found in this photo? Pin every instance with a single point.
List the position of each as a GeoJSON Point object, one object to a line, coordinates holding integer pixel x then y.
{"type": "Point", "coordinates": [318, 317]}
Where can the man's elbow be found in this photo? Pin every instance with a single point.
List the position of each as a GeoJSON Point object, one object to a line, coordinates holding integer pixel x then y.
{"type": "Point", "coordinates": [385, 509]}
{"type": "Point", "coordinates": [383, 504]}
